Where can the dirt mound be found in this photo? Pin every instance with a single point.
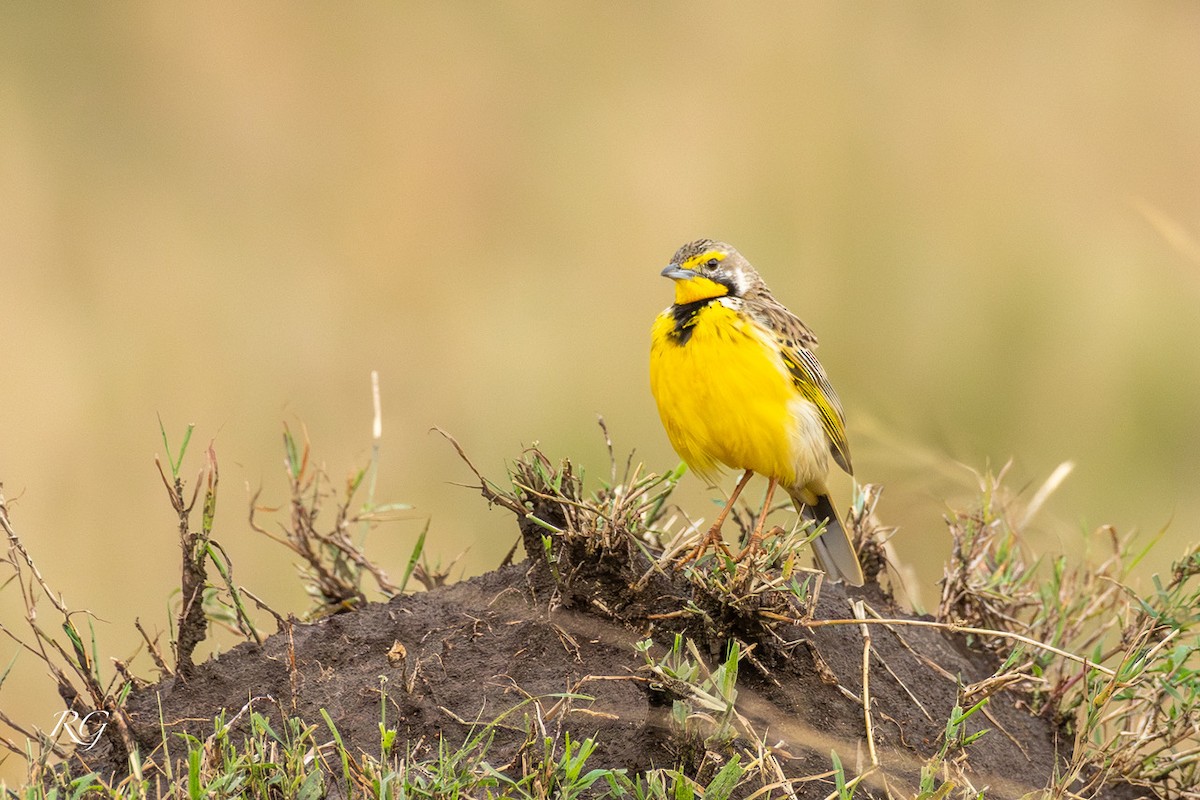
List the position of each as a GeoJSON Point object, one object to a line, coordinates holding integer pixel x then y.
{"type": "Point", "coordinates": [590, 637]}
{"type": "Point", "coordinates": [475, 650]}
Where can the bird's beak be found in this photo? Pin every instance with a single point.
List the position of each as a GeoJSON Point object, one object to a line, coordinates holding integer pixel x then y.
{"type": "Point", "coordinates": [677, 273]}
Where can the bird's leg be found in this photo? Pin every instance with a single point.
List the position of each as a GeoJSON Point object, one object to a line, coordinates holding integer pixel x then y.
{"type": "Point", "coordinates": [713, 537]}
{"type": "Point", "coordinates": [756, 537]}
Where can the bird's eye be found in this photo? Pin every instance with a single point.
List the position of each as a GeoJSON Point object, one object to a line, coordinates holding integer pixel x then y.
{"type": "Point", "coordinates": [712, 263]}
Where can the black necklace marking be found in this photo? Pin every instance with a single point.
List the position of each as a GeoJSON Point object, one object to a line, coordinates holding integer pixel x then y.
{"type": "Point", "coordinates": [685, 313]}
{"type": "Point", "coordinates": [685, 319]}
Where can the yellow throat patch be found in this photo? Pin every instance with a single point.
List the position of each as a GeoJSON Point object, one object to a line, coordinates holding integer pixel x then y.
{"type": "Point", "coordinates": [698, 288]}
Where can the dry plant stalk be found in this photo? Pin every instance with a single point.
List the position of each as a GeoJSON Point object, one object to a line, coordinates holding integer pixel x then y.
{"type": "Point", "coordinates": [75, 672]}
{"type": "Point", "coordinates": [333, 563]}
{"type": "Point", "coordinates": [199, 605]}
{"type": "Point", "coordinates": [193, 624]}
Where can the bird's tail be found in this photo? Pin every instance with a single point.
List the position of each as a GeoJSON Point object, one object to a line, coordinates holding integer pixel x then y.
{"type": "Point", "coordinates": [833, 549]}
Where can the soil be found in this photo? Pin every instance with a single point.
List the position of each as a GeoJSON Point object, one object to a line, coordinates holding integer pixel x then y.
{"type": "Point", "coordinates": [511, 643]}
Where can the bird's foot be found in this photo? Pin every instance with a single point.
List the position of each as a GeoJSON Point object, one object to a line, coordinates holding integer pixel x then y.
{"type": "Point", "coordinates": [711, 539]}
{"type": "Point", "coordinates": [754, 546]}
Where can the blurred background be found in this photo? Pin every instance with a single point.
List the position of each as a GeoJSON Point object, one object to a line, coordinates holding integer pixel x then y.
{"type": "Point", "coordinates": [229, 214]}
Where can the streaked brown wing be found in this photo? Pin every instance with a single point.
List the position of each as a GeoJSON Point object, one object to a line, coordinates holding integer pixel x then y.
{"type": "Point", "coordinates": [796, 344]}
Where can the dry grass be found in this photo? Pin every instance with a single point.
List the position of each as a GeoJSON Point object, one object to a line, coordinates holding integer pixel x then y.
{"type": "Point", "coordinates": [1134, 703]}
{"type": "Point", "coordinates": [91, 700]}
{"type": "Point", "coordinates": [1116, 666]}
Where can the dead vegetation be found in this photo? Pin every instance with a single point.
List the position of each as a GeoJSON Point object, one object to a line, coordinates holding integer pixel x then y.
{"type": "Point", "coordinates": [724, 679]}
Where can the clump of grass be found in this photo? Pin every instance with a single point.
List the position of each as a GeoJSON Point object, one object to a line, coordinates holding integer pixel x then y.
{"type": "Point", "coordinates": [703, 703]}
{"type": "Point", "coordinates": [333, 563]}
{"type": "Point", "coordinates": [264, 762]}
{"type": "Point", "coordinates": [295, 759]}
{"type": "Point", "coordinates": [73, 662]}
{"type": "Point", "coordinates": [630, 521]}
{"type": "Point", "coordinates": [1133, 703]}
{"type": "Point", "coordinates": [1143, 724]}
{"type": "Point", "coordinates": [200, 601]}
{"type": "Point", "coordinates": [944, 772]}
{"type": "Point", "coordinates": [624, 526]}
{"type": "Point", "coordinates": [94, 704]}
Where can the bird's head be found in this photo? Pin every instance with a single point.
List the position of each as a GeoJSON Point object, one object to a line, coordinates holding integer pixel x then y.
{"type": "Point", "coordinates": [705, 269]}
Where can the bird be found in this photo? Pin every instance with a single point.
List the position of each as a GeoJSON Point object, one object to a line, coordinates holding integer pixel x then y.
{"type": "Point", "coordinates": [738, 386]}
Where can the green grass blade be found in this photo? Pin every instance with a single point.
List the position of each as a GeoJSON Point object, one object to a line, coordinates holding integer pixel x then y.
{"type": "Point", "coordinates": [414, 558]}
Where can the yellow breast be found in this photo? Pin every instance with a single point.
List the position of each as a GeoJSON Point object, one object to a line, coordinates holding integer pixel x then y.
{"type": "Point", "coordinates": [725, 397]}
